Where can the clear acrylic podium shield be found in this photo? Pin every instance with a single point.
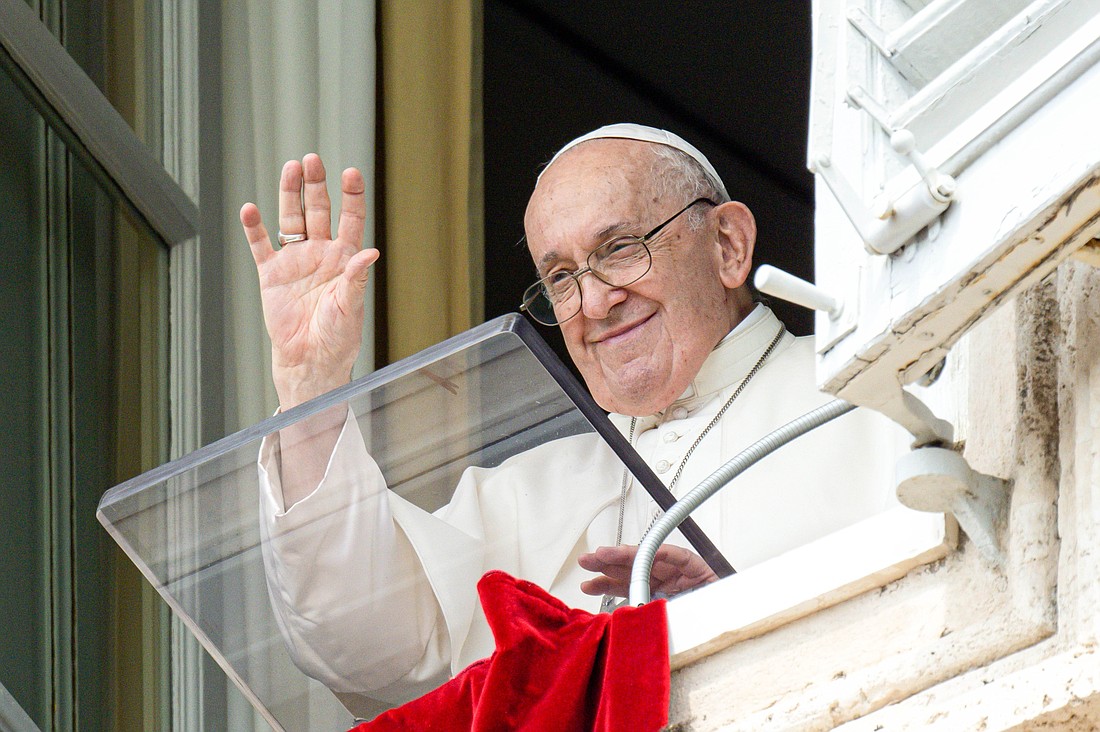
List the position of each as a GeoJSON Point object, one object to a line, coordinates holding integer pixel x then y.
{"type": "Point", "coordinates": [192, 525]}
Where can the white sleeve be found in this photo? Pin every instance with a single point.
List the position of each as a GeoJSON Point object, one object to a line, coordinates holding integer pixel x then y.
{"type": "Point", "coordinates": [369, 592]}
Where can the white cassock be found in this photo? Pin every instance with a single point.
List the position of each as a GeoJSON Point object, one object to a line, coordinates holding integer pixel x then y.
{"type": "Point", "coordinates": [374, 595]}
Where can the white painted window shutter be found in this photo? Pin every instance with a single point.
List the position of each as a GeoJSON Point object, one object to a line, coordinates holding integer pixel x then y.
{"type": "Point", "coordinates": [956, 146]}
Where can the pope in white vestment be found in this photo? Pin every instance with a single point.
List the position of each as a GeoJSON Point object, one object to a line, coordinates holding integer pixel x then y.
{"type": "Point", "coordinates": [375, 595]}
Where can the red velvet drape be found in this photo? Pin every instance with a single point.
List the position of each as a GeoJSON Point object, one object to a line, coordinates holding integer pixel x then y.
{"type": "Point", "coordinates": [554, 668]}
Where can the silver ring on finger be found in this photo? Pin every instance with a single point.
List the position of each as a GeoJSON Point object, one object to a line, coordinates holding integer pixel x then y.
{"type": "Point", "coordinates": [285, 239]}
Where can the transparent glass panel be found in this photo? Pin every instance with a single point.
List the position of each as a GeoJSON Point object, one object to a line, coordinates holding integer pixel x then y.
{"type": "Point", "coordinates": [430, 422]}
{"type": "Point", "coordinates": [12, 716]}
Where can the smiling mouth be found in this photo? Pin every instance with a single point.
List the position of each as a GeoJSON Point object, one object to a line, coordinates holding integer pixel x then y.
{"type": "Point", "coordinates": [619, 334]}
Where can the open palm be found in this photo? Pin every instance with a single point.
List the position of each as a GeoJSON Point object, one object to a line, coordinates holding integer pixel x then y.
{"type": "Point", "coordinates": [312, 290]}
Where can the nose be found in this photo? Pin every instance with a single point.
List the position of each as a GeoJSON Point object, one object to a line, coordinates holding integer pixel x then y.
{"type": "Point", "coordinates": [598, 297]}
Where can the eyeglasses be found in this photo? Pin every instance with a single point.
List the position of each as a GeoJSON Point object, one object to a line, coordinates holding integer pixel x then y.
{"type": "Point", "coordinates": [618, 262]}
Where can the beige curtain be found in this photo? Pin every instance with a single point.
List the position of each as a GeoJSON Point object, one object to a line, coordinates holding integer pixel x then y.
{"type": "Point", "coordinates": [298, 77]}
{"type": "Point", "coordinates": [433, 238]}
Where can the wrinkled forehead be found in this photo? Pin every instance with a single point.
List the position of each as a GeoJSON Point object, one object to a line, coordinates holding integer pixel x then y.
{"type": "Point", "coordinates": [590, 193]}
{"type": "Point", "coordinates": [594, 175]}
{"type": "Point", "coordinates": [617, 162]}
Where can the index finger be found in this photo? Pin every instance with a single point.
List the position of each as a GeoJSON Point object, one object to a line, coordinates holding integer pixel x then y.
{"type": "Point", "coordinates": [353, 207]}
{"type": "Point", "coordinates": [605, 557]}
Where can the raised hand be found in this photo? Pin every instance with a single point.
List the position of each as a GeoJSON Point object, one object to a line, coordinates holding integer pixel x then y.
{"type": "Point", "coordinates": [675, 570]}
{"type": "Point", "coordinates": [312, 290]}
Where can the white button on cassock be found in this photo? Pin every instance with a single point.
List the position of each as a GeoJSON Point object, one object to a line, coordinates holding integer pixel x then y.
{"type": "Point", "coordinates": [662, 466]}
{"type": "Point", "coordinates": [671, 436]}
{"type": "Point", "coordinates": [679, 413]}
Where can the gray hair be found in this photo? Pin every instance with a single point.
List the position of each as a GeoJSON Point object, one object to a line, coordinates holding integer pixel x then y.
{"type": "Point", "coordinates": [677, 174]}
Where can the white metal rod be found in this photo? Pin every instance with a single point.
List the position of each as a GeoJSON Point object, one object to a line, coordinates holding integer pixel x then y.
{"type": "Point", "coordinates": [786, 286]}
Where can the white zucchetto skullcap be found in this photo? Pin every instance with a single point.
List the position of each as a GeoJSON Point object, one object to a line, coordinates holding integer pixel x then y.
{"type": "Point", "coordinates": [642, 133]}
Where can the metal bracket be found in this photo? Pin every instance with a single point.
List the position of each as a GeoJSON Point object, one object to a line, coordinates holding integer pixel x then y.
{"type": "Point", "coordinates": [891, 222]}
{"type": "Point", "coordinates": [938, 480]}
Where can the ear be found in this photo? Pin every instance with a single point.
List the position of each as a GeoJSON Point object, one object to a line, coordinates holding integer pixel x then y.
{"type": "Point", "coordinates": [736, 237]}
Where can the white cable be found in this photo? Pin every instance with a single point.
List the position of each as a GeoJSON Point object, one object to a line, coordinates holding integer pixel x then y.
{"type": "Point", "coordinates": [647, 548]}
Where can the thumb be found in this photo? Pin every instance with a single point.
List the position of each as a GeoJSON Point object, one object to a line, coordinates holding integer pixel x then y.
{"type": "Point", "coordinates": [357, 271]}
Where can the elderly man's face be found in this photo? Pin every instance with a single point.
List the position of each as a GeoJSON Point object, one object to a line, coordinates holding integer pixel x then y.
{"type": "Point", "coordinates": [638, 347]}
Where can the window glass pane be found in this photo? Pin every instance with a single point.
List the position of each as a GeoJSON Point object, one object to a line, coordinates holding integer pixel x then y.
{"type": "Point", "coordinates": [24, 463]}
{"type": "Point", "coordinates": [82, 328]}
